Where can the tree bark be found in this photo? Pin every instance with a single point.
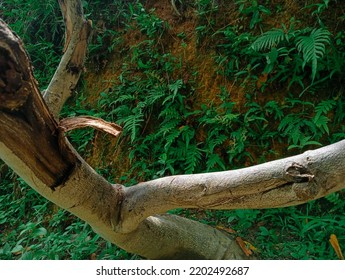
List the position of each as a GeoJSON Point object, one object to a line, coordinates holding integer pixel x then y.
{"type": "Point", "coordinates": [77, 33]}
{"type": "Point", "coordinates": [33, 144]}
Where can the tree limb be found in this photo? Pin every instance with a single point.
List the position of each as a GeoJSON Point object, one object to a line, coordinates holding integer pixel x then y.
{"type": "Point", "coordinates": [32, 145]}
{"type": "Point", "coordinates": [27, 127]}
{"type": "Point", "coordinates": [71, 65]}
{"type": "Point", "coordinates": [281, 183]}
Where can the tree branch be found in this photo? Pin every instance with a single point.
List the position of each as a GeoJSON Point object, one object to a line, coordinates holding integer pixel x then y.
{"type": "Point", "coordinates": [32, 145]}
{"type": "Point", "coordinates": [286, 182]}
{"type": "Point", "coordinates": [27, 127]}
{"type": "Point", "coordinates": [71, 65]}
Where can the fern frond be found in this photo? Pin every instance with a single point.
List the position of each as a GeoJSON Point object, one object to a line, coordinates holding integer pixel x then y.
{"type": "Point", "coordinates": [321, 122]}
{"type": "Point", "coordinates": [212, 143]}
{"type": "Point", "coordinates": [286, 124]}
{"type": "Point", "coordinates": [325, 106]}
{"type": "Point", "coordinates": [132, 124]}
{"type": "Point", "coordinates": [270, 39]}
{"type": "Point", "coordinates": [171, 137]}
{"type": "Point", "coordinates": [193, 158]}
{"type": "Point", "coordinates": [125, 98]}
{"type": "Point", "coordinates": [167, 126]}
{"type": "Point", "coordinates": [214, 162]}
{"type": "Point", "coordinates": [169, 112]}
{"type": "Point", "coordinates": [313, 47]}
{"type": "Point", "coordinates": [155, 95]}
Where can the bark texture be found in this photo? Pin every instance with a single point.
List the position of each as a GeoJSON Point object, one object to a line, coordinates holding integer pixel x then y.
{"type": "Point", "coordinates": [77, 33]}
{"type": "Point", "coordinates": [27, 127]}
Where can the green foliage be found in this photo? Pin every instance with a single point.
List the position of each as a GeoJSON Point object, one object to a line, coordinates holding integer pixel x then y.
{"type": "Point", "coordinates": [299, 229]}
{"type": "Point", "coordinates": [32, 229]}
{"type": "Point", "coordinates": [39, 24]}
{"type": "Point", "coordinates": [284, 43]}
{"type": "Point", "coordinates": [313, 47]}
{"type": "Point", "coordinates": [148, 23]}
{"type": "Point", "coordinates": [270, 39]}
{"type": "Point", "coordinates": [253, 9]}
{"type": "Point", "coordinates": [205, 10]}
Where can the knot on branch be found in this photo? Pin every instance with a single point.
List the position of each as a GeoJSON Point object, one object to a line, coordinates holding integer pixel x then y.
{"type": "Point", "coordinates": [304, 185]}
{"type": "Point", "coordinates": [298, 173]}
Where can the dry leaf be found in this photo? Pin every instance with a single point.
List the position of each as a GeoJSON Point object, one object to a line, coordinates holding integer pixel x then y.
{"type": "Point", "coordinates": [244, 246]}
{"type": "Point", "coordinates": [229, 230]}
{"type": "Point", "coordinates": [68, 124]}
{"type": "Point", "coordinates": [335, 244]}
{"type": "Point", "coordinates": [250, 246]}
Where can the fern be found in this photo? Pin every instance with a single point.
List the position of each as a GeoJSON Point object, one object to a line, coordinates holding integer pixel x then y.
{"type": "Point", "coordinates": [169, 112]}
{"type": "Point", "coordinates": [325, 106]}
{"type": "Point", "coordinates": [132, 123]}
{"type": "Point", "coordinates": [226, 120]}
{"type": "Point", "coordinates": [212, 143]}
{"type": "Point", "coordinates": [321, 122]}
{"type": "Point", "coordinates": [270, 39]}
{"type": "Point", "coordinates": [171, 137]}
{"type": "Point", "coordinates": [214, 160]}
{"type": "Point", "coordinates": [313, 47]}
{"type": "Point", "coordinates": [154, 96]}
{"type": "Point", "coordinates": [167, 126]}
{"type": "Point", "coordinates": [125, 98]}
{"type": "Point", "coordinates": [321, 110]}
{"type": "Point", "coordinates": [193, 158]}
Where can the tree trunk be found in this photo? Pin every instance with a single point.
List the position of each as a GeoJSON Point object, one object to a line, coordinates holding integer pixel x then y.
{"type": "Point", "coordinates": [33, 144]}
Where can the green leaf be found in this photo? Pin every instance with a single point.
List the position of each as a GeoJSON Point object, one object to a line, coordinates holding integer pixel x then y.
{"type": "Point", "coordinates": [271, 59]}
{"type": "Point", "coordinates": [193, 158]}
{"type": "Point", "coordinates": [270, 39]}
{"type": "Point", "coordinates": [213, 160]}
{"type": "Point", "coordinates": [17, 249]}
{"type": "Point", "coordinates": [39, 232]}
{"type": "Point", "coordinates": [313, 47]}
{"type": "Point", "coordinates": [321, 122]}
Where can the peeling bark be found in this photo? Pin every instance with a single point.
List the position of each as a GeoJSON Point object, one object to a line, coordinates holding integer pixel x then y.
{"type": "Point", "coordinates": [68, 124]}
{"type": "Point", "coordinates": [27, 127]}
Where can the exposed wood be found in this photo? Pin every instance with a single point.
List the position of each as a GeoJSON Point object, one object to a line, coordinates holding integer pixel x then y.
{"type": "Point", "coordinates": [68, 124]}
{"type": "Point", "coordinates": [27, 127]}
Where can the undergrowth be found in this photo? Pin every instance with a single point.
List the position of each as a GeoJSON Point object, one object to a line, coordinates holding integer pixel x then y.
{"type": "Point", "coordinates": [290, 80]}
